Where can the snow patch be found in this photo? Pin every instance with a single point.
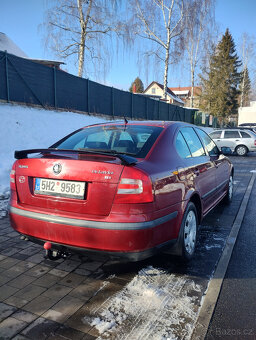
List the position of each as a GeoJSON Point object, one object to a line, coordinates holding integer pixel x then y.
{"type": "Point", "coordinates": [29, 128]}
{"type": "Point", "coordinates": [154, 305]}
{"type": "Point", "coordinates": [208, 247]}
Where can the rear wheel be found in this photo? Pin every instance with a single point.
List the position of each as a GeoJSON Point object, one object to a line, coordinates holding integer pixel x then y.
{"type": "Point", "coordinates": [189, 229]}
{"type": "Point", "coordinates": [241, 150]}
{"type": "Point", "coordinates": [229, 195]}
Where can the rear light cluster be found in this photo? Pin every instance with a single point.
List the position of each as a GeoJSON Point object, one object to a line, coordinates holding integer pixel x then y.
{"type": "Point", "coordinates": [12, 178]}
{"type": "Point", "coordinates": [254, 142]}
{"type": "Point", "coordinates": [134, 187]}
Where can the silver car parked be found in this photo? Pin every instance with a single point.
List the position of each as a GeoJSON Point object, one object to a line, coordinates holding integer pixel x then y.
{"type": "Point", "coordinates": [238, 140]}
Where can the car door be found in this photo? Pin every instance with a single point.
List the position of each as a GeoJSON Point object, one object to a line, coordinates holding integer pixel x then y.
{"type": "Point", "coordinates": [222, 166]}
{"type": "Point", "coordinates": [216, 136]}
{"type": "Point", "coordinates": [201, 167]}
{"type": "Point", "coordinates": [231, 139]}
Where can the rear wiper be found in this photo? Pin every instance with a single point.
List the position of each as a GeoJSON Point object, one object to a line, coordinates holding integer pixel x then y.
{"type": "Point", "coordinates": [125, 159]}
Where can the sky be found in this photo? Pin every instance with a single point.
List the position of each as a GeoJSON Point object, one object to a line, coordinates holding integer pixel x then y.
{"type": "Point", "coordinates": [21, 19]}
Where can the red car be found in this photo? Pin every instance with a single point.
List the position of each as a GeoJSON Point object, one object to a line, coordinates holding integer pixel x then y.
{"type": "Point", "coordinates": [123, 189]}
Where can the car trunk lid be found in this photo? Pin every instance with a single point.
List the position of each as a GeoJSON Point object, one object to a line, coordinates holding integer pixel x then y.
{"type": "Point", "coordinates": [46, 182]}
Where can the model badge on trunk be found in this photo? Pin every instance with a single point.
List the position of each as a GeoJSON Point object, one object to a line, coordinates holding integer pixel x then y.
{"type": "Point", "coordinates": [57, 168]}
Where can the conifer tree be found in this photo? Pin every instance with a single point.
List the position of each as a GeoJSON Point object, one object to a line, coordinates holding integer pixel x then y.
{"type": "Point", "coordinates": [245, 88]}
{"type": "Point", "coordinates": [220, 85]}
{"type": "Point", "coordinates": [137, 84]}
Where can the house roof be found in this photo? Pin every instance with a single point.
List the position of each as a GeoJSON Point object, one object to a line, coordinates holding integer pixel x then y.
{"type": "Point", "coordinates": [169, 91]}
{"type": "Point", "coordinates": [179, 90]}
{"type": "Point", "coordinates": [47, 62]}
{"type": "Point", "coordinates": [6, 44]}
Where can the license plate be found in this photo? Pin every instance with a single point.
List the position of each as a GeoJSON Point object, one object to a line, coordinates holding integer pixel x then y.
{"type": "Point", "coordinates": [54, 187]}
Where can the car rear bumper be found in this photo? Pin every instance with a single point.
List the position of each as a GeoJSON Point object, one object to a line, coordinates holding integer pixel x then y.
{"type": "Point", "coordinates": [132, 256]}
{"type": "Point", "coordinates": [133, 240]}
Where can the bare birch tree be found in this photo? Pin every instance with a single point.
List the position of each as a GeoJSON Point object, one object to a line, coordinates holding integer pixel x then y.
{"type": "Point", "coordinates": [161, 22]}
{"type": "Point", "coordinates": [84, 29]}
{"type": "Point", "coordinates": [247, 48]}
{"type": "Point", "coordinates": [199, 30]}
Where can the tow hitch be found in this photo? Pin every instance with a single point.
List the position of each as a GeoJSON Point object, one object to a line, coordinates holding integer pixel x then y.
{"type": "Point", "coordinates": [54, 254]}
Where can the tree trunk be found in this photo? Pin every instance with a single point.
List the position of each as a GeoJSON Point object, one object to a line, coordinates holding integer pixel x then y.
{"type": "Point", "coordinates": [83, 24]}
{"type": "Point", "coordinates": [192, 87]}
{"type": "Point", "coordinates": [167, 57]}
{"type": "Point", "coordinates": [242, 91]}
{"type": "Point", "coordinates": [81, 55]}
{"type": "Point", "coordinates": [166, 72]}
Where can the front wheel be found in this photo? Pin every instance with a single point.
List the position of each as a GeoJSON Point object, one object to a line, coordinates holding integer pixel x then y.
{"type": "Point", "coordinates": [189, 229]}
{"type": "Point", "coordinates": [241, 150]}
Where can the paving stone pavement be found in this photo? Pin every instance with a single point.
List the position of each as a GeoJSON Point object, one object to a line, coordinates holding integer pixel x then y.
{"type": "Point", "coordinates": [42, 299]}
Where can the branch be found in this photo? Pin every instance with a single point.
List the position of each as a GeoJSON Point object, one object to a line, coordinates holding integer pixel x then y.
{"type": "Point", "coordinates": [63, 28]}
{"type": "Point", "coordinates": [100, 31]}
{"type": "Point", "coordinates": [67, 13]}
{"type": "Point", "coordinates": [148, 37]}
{"type": "Point", "coordinates": [178, 22]}
{"type": "Point", "coordinates": [148, 31]}
{"type": "Point", "coordinates": [68, 47]}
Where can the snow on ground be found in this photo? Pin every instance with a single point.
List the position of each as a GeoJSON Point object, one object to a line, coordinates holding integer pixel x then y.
{"type": "Point", "coordinates": [23, 127]}
{"type": "Point", "coordinates": [154, 305]}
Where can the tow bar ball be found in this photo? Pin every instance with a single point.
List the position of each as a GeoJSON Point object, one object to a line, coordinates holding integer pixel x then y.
{"type": "Point", "coordinates": [54, 254]}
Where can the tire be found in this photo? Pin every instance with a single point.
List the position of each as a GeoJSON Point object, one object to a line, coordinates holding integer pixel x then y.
{"type": "Point", "coordinates": [229, 195]}
{"type": "Point", "coordinates": [241, 150]}
{"type": "Point", "coordinates": [188, 233]}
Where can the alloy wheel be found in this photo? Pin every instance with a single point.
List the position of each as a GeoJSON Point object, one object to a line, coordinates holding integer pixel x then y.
{"type": "Point", "coordinates": [190, 232]}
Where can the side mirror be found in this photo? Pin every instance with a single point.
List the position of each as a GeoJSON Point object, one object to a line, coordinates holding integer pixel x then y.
{"type": "Point", "coordinates": [226, 150]}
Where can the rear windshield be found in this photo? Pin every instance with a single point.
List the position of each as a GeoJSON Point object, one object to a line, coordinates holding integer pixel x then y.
{"type": "Point", "coordinates": [135, 140]}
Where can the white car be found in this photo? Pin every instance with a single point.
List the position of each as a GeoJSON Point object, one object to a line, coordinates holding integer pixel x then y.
{"type": "Point", "coordinates": [239, 141]}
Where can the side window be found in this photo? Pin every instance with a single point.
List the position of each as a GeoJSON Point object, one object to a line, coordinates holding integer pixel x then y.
{"type": "Point", "coordinates": [181, 147]}
{"type": "Point", "coordinates": [193, 141]}
{"type": "Point", "coordinates": [231, 134]}
{"type": "Point", "coordinates": [208, 142]}
{"type": "Point", "coordinates": [215, 134]}
{"type": "Point", "coordinates": [245, 135]}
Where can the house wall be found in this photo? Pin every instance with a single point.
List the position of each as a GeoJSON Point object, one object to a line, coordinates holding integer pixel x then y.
{"type": "Point", "coordinates": [158, 92]}
{"type": "Point", "coordinates": [247, 114]}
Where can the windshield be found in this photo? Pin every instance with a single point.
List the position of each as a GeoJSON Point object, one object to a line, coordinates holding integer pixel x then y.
{"type": "Point", "coordinates": [135, 140]}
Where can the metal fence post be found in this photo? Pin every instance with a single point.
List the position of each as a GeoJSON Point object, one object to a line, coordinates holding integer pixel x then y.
{"type": "Point", "coordinates": [131, 105]}
{"type": "Point", "coordinates": [7, 77]}
{"type": "Point", "coordinates": [146, 102]}
{"type": "Point", "coordinates": [88, 96]}
{"type": "Point", "coordinates": [113, 102]}
{"type": "Point", "coordinates": [55, 88]}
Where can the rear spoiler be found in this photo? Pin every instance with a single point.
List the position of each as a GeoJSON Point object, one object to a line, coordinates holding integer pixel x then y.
{"type": "Point", "coordinates": [125, 159]}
